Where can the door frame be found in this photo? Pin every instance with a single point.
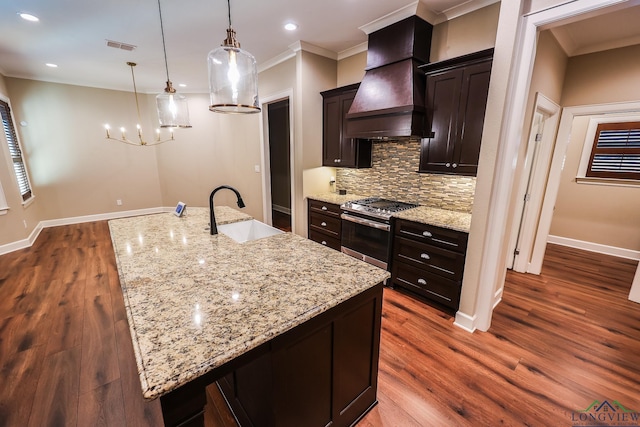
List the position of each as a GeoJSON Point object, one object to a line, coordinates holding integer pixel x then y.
{"type": "Point", "coordinates": [527, 227]}
{"type": "Point", "coordinates": [264, 154]}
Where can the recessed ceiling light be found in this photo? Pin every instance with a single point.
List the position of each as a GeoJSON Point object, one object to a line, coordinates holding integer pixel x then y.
{"type": "Point", "coordinates": [28, 17]}
{"type": "Point", "coordinates": [50, 65]}
{"type": "Point", "coordinates": [290, 26]}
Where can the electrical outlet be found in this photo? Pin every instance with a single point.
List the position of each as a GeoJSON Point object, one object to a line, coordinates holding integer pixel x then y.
{"type": "Point", "coordinates": [256, 168]}
{"type": "Point", "coordinates": [119, 202]}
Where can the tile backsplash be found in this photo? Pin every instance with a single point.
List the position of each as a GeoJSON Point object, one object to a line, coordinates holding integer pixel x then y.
{"type": "Point", "coordinates": [393, 175]}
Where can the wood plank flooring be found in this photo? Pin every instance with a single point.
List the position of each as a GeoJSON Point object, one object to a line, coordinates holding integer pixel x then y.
{"type": "Point", "coordinates": [558, 342]}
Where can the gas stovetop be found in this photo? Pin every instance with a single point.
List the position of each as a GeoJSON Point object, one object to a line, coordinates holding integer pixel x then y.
{"type": "Point", "coordinates": [377, 207]}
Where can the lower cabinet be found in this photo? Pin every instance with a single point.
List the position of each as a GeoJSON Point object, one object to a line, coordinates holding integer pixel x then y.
{"type": "Point", "coordinates": [322, 374]}
{"type": "Point", "coordinates": [324, 223]}
{"type": "Point", "coordinates": [429, 261]}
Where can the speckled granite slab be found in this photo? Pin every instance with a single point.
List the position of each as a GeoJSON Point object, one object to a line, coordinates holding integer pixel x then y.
{"type": "Point", "coordinates": [195, 301]}
{"type": "Point", "coordinates": [336, 198]}
{"type": "Point", "coordinates": [453, 220]}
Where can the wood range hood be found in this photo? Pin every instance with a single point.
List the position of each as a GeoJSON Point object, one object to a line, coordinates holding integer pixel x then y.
{"type": "Point", "coordinates": [390, 102]}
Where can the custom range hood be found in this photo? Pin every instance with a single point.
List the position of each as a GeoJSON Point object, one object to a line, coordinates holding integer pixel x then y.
{"type": "Point", "coordinates": [390, 102]}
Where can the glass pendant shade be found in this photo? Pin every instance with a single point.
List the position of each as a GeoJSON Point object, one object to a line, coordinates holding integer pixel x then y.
{"type": "Point", "coordinates": [173, 109]}
{"type": "Point", "coordinates": [233, 78]}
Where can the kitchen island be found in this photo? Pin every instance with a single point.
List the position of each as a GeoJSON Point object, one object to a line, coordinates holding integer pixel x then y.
{"type": "Point", "coordinates": [203, 307]}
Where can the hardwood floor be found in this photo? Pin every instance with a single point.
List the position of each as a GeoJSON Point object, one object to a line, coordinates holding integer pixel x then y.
{"type": "Point", "coordinates": [281, 220]}
{"type": "Point", "coordinates": [558, 342]}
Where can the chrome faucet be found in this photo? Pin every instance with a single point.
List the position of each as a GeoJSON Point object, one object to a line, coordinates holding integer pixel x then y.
{"type": "Point", "coordinates": [212, 216]}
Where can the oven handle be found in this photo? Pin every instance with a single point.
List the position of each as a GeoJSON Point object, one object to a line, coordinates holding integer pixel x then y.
{"type": "Point", "coordinates": [366, 222]}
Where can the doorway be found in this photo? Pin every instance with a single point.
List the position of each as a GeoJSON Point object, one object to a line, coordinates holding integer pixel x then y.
{"type": "Point", "coordinates": [279, 145]}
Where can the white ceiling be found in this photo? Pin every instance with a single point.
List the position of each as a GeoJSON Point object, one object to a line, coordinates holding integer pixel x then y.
{"type": "Point", "coordinates": [73, 34]}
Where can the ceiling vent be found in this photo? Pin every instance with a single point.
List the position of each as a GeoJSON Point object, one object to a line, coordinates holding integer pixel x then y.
{"type": "Point", "coordinates": [119, 45]}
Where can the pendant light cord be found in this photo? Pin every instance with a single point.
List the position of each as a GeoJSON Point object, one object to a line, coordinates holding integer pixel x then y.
{"type": "Point", "coordinates": [135, 90]}
{"type": "Point", "coordinates": [229, 9]}
{"type": "Point", "coordinates": [164, 47]}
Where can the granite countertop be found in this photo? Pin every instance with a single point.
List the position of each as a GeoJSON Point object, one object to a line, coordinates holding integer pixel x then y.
{"type": "Point", "coordinates": [196, 301]}
{"type": "Point", "coordinates": [453, 220]}
{"type": "Point", "coordinates": [335, 198]}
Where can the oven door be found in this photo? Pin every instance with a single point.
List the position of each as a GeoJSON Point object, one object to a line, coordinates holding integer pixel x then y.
{"type": "Point", "coordinates": [366, 239]}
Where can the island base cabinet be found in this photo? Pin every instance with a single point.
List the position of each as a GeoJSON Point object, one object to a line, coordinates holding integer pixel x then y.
{"type": "Point", "coordinates": [324, 373]}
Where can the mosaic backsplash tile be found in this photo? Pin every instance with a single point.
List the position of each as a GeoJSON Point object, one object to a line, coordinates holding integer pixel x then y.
{"type": "Point", "coordinates": [394, 175]}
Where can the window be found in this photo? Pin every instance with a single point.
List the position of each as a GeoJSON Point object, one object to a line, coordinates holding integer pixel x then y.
{"type": "Point", "coordinates": [616, 151]}
{"type": "Point", "coordinates": [15, 152]}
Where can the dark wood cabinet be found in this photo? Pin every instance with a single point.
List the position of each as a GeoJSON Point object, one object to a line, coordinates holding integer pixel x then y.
{"type": "Point", "coordinates": [324, 223]}
{"type": "Point", "coordinates": [429, 261]}
{"type": "Point", "coordinates": [337, 149]}
{"type": "Point", "coordinates": [322, 374]}
{"type": "Point", "coordinates": [456, 101]}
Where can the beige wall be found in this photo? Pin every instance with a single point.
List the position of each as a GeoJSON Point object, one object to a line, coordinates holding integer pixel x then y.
{"type": "Point", "coordinates": [351, 69]}
{"type": "Point", "coordinates": [466, 34]}
{"type": "Point", "coordinates": [74, 170]}
{"type": "Point", "coordinates": [606, 215]}
{"type": "Point", "coordinates": [220, 149]}
{"type": "Point", "coordinates": [597, 78]}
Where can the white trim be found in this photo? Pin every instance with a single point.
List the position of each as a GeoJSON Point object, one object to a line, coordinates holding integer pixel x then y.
{"type": "Point", "coordinates": [26, 243]}
{"type": "Point", "coordinates": [634, 294]}
{"type": "Point", "coordinates": [589, 140]}
{"type": "Point", "coordinates": [362, 47]}
{"type": "Point", "coordinates": [550, 112]}
{"type": "Point", "coordinates": [308, 47]}
{"type": "Point", "coordinates": [463, 9]}
{"type": "Point", "coordinates": [264, 155]}
{"type": "Point", "coordinates": [595, 247]}
{"type": "Point", "coordinates": [466, 322]}
{"type": "Point", "coordinates": [279, 59]}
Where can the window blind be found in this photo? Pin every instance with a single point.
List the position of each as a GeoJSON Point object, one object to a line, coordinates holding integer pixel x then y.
{"type": "Point", "coordinates": [15, 152]}
{"type": "Point", "coordinates": [616, 151]}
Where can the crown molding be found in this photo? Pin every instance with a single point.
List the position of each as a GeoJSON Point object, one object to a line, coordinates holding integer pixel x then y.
{"type": "Point", "coordinates": [362, 47]}
{"type": "Point", "coordinates": [308, 47]}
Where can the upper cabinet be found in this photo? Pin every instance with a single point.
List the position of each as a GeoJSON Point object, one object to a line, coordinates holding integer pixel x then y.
{"type": "Point", "coordinates": [337, 149]}
{"type": "Point", "coordinates": [456, 101]}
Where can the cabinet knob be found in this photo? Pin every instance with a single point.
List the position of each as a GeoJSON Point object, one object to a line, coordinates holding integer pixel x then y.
{"type": "Point", "coordinates": [324, 208]}
{"type": "Point", "coordinates": [425, 256]}
{"type": "Point", "coordinates": [324, 224]}
{"type": "Point", "coordinates": [426, 234]}
{"type": "Point", "coordinates": [455, 165]}
{"type": "Point", "coordinates": [339, 160]}
{"type": "Point", "coordinates": [448, 165]}
{"type": "Point", "coordinates": [324, 242]}
{"type": "Point", "coordinates": [422, 281]}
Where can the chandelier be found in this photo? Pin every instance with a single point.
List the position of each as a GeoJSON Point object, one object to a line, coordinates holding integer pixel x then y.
{"type": "Point", "coordinates": [140, 139]}
{"type": "Point", "coordinates": [173, 110]}
{"type": "Point", "coordinates": [233, 77]}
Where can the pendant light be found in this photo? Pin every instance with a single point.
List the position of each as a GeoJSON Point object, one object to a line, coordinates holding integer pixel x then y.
{"type": "Point", "coordinates": [233, 77]}
{"type": "Point", "coordinates": [173, 110]}
{"type": "Point", "coordinates": [141, 141]}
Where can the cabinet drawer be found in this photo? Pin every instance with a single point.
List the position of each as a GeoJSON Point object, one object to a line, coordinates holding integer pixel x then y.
{"type": "Point", "coordinates": [436, 260]}
{"type": "Point", "coordinates": [325, 223]}
{"type": "Point", "coordinates": [324, 208]}
{"type": "Point", "coordinates": [325, 239]}
{"type": "Point", "coordinates": [437, 236]}
{"type": "Point", "coordinates": [436, 288]}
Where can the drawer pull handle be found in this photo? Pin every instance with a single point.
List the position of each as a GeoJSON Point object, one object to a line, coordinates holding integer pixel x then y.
{"type": "Point", "coordinates": [324, 208]}
{"type": "Point", "coordinates": [426, 234]}
{"type": "Point", "coordinates": [324, 224]}
{"type": "Point", "coordinates": [324, 242]}
{"type": "Point", "coordinates": [448, 165]}
{"type": "Point", "coordinates": [422, 281]}
{"type": "Point", "coordinates": [425, 256]}
{"type": "Point", "coordinates": [455, 165]}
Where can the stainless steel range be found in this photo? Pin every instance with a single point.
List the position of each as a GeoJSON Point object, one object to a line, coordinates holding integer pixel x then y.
{"type": "Point", "coordinates": [366, 228]}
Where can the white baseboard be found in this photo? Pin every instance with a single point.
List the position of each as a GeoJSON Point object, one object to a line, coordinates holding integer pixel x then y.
{"type": "Point", "coordinates": [466, 322]}
{"type": "Point", "coordinates": [594, 247]}
{"type": "Point", "coordinates": [26, 243]}
{"type": "Point", "coordinates": [281, 209]}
